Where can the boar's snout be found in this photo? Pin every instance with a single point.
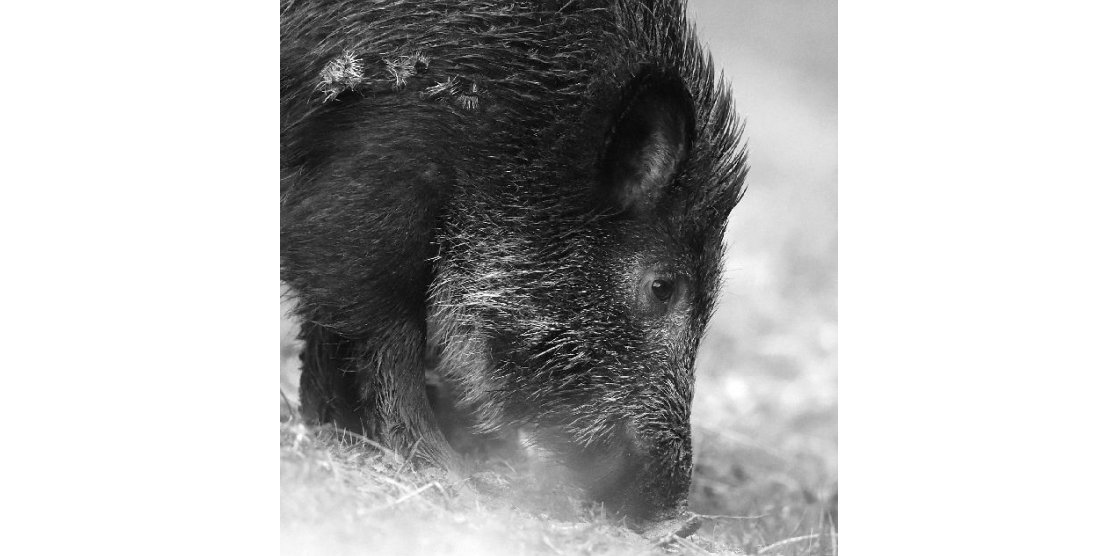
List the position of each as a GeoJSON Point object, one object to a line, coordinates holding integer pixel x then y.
{"type": "Point", "coordinates": [644, 477]}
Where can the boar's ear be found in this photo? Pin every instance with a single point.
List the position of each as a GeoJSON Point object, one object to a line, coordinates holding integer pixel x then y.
{"type": "Point", "coordinates": [651, 137]}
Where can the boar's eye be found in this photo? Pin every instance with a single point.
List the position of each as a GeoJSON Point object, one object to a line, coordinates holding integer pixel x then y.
{"type": "Point", "coordinates": [662, 289]}
{"type": "Point", "coordinates": [659, 292]}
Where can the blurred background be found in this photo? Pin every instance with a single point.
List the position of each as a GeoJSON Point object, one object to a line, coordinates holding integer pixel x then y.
{"type": "Point", "coordinates": [765, 413]}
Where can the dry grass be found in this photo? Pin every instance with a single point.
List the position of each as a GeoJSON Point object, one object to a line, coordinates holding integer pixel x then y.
{"type": "Point", "coordinates": [340, 495]}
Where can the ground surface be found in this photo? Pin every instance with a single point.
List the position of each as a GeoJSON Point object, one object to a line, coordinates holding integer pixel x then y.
{"type": "Point", "coordinates": [764, 417]}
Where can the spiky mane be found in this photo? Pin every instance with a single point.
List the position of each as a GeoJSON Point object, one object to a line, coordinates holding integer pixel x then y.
{"type": "Point", "coordinates": [524, 64]}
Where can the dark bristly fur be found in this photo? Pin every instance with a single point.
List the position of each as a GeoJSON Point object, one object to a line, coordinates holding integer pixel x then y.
{"type": "Point", "coordinates": [498, 182]}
